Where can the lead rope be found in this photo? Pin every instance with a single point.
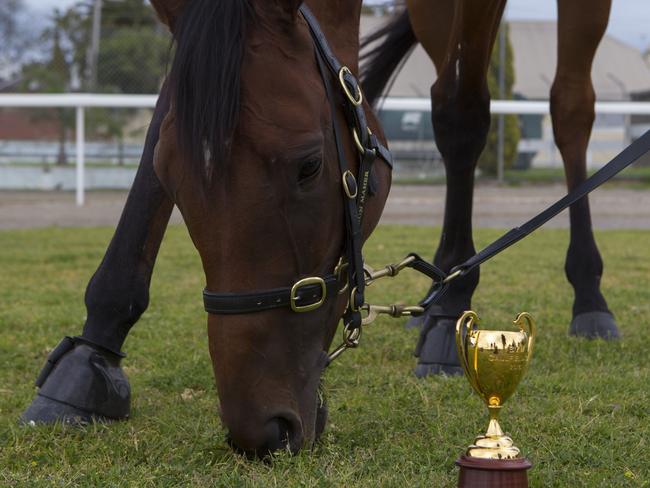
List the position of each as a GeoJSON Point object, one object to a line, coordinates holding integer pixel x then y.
{"type": "Point", "coordinates": [441, 280]}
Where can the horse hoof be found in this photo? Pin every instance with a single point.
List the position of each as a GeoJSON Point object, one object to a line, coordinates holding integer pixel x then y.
{"type": "Point", "coordinates": [80, 383]}
{"type": "Point", "coordinates": [422, 370]}
{"type": "Point", "coordinates": [436, 348]}
{"type": "Point", "coordinates": [594, 325]}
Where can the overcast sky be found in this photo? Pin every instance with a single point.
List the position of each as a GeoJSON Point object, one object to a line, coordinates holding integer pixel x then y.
{"type": "Point", "coordinates": [629, 22]}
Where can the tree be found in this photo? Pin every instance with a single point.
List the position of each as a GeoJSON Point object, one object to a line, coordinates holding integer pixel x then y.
{"type": "Point", "coordinates": [132, 57]}
{"type": "Point", "coordinates": [489, 159]}
{"type": "Point", "coordinates": [66, 37]}
{"type": "Point", "coordinates": [133, 50]}
{"type": "Point", "coordinates": [15, 39]}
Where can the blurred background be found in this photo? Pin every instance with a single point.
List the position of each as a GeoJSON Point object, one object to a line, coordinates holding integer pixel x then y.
{"type": "Point", "coordinates": [119, 47]}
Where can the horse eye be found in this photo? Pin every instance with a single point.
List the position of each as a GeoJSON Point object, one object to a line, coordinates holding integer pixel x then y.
{"type": "Point", "coordinates": [309, 168]}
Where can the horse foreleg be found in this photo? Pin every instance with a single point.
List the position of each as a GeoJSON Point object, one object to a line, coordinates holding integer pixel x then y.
{"type": "Point", "coordinates": [82, 379]}
{"type": "Point", "coordinates": [572, 110]}
{"type": "Point", "coordinates": [461, 120]}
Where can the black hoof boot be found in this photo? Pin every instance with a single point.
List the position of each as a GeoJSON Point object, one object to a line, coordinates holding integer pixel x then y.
{"type": "Point", "coordinates": [80, 383]}
{"type": "Point", "coordinates": [594, 325]}
{"type": "Point", "coordinates": [415, 322]}
{"type": "Point", "coordinates": [436, 349]}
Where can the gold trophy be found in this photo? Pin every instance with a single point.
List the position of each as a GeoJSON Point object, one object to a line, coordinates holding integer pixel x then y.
{"type": "Point", "coordinates": [494, 362]}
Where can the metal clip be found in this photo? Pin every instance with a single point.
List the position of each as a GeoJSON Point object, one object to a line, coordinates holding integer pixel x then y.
{"type": "Point", "coordinates": [453, 276]}
{"type": "Point", "coordinates": [394, 311]}
{"type": "Point", "coordinates": [351, 338]}
{"type": "Point", "coordinates": [391, 270]}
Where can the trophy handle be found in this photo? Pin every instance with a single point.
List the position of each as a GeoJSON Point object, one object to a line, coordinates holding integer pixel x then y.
{"type": "Point", "coordinates": [526, 323]}
{"type": "Point", "coordinates": [467, 322]}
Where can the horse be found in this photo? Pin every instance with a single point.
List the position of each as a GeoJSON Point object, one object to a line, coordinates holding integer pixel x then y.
{"type": "Point", "coordinates": [458, 36]}
{"type": "Point", "coordinates": [250, 140]}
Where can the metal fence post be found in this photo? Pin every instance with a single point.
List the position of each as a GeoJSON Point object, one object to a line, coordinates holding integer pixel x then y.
{"type": "Point", "coordinates": [81, 141]}
{"type": "Point", "coordinates": [501, 143]}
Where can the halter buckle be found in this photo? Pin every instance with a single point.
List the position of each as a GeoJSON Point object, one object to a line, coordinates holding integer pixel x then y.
{"type": "Point", "coordinates": [350, 185]}
{"type": "Point", "coordinates": [355, 98]}
{"type": "Point", "coordinates": [357, 141]}
{"type": "Point", "coordinates": [314, 280]}
{"type": "Point", "coordinates": [339, 271]}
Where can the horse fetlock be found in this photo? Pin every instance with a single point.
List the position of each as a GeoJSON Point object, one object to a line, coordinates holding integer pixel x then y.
{"type": "Point", "coordinates": [111, 312]}
{"type": "Point", "coordinates": [583, 264]}
{"type": "Point", "coordinates": [584, 270]}
{"type": "Point", "coordinates": [80, 383]}
{"type": "Point", "coordinates": [459, 296]}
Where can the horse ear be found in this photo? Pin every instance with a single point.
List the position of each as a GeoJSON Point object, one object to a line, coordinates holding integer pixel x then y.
{"type": "Point", "coordinates": [168, 11]}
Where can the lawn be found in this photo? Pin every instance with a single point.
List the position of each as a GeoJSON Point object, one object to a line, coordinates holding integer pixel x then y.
{"type": "Point", "coordinates": [581, 415]}
{"type": "Point", "coordinates": [634, 177]}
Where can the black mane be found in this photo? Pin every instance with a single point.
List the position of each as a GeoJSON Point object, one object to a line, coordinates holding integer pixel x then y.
{"type": "Point", "coordinates": [205, 80]}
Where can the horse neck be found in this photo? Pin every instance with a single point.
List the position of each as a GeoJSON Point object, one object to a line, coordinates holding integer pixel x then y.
{"type": "Point", "coordinates": [340, 20]}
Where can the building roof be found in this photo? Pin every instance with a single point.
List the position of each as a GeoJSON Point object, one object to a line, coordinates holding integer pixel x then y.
{"type": "Point", "coordinates": [618, 70]}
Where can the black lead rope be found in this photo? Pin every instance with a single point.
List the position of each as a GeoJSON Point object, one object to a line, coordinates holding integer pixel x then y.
{"type": "Point", "coordinates": [624, 159]}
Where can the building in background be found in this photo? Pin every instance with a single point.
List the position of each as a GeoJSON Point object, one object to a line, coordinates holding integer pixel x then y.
{"type": "Point", "coordinates": [33, 141]}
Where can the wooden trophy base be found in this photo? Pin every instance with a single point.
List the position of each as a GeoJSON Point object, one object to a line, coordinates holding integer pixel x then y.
{"type": "Point", "coordinates": [492, 473]}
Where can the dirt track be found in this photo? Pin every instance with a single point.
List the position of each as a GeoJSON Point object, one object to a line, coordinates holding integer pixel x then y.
{"type": "Point", "coordinates": [494, 206]}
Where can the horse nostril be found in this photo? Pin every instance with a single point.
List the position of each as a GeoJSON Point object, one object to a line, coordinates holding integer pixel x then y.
{"type": "Point", "coordinates": [278, 433]}
{"type": "Point", "coordinates": [256, 440]}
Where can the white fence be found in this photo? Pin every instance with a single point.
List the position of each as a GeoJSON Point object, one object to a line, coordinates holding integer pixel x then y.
{"type": "Point", "coordinates": [82, 101]}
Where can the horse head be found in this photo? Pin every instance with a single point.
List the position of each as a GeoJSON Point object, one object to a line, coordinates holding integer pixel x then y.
{"type": "Point", "coordinates": [249, 154]}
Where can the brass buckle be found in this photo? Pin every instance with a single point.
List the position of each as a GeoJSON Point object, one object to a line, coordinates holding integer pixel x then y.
{"type": "Point", "coordinates": [354, 306]}
{"type": "Point", "coordinates": [348, 192]}
{"type": "Point", "coordinates": [355, 98]}
{"type": "Point", "coordinates": [339, 270]}
{"type": "Point", "coordinates": [306, 282]}
{"type": "Point", "coordinates": [357, 140]}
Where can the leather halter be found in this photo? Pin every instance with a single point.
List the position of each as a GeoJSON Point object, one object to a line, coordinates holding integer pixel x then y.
{"type": "Point", "coordinates": [310, 293]}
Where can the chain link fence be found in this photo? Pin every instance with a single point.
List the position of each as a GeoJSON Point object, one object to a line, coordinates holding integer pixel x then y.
{"type": "Point", "coordinates": [98, 46]}
{"type": "Point", "coordinates": [119, 47]}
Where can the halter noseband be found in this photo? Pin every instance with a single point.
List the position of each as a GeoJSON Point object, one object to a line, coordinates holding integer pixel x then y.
{"type": "Point", "coordinates": [310, 293]}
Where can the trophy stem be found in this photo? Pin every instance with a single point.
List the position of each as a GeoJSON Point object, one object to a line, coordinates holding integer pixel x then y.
{"type": "Point", "coordinates": [494, 429]}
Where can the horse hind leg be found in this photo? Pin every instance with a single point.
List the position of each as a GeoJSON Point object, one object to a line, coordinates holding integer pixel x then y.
{"type": "Point", "coordinates": [572, 111]}
{"type": "Point", "coordinates": [82, 380]}
{"type": "Point", "coordinates": [461, 120]}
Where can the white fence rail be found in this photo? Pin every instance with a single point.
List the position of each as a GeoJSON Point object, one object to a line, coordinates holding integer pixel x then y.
{"type": "Point", "coordinates": [523, 107]}
{"type": "Point", "coordinates": [81, 101]}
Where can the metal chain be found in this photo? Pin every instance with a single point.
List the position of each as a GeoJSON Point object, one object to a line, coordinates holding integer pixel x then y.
{"type": "Point", "coordinates": [351, 337]}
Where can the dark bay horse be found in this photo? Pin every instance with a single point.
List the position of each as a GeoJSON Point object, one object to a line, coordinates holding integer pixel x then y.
{"type": "Point", "coordinates": [458, 36]}
{"type": "Point", "coordinates": [243, 141]}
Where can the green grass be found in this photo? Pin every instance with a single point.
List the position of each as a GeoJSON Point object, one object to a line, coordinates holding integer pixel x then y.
{"type": "Point", "coordinates": [581, 414]}
{"type": "Point", "coordinates": [635, 177]}
{"type": "Point", "coordinates": [632, 177]}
